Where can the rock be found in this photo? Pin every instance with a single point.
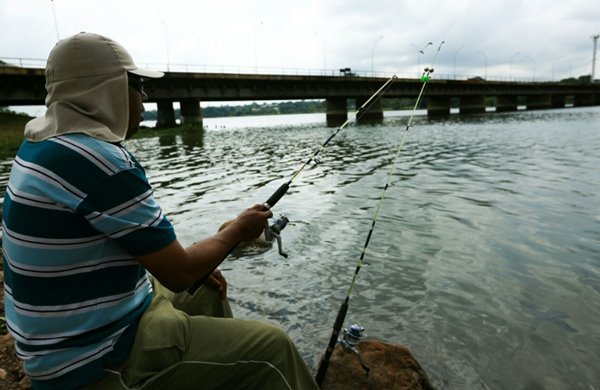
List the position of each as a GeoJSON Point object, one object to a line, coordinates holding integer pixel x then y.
{"type": "Point", "coordinates": [3, 374]}
{"type": "Point", "coordinates": [6, 340]}
{"type": "Point", "coordinates": [24, 383]}
{"type": "Point", "coordinates": [392, 367]}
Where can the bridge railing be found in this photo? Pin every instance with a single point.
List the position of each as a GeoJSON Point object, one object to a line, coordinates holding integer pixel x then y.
{"type": "Point", "coordinates": [202, 68]}
{"type": "Point", "coordinates": [38, 63]}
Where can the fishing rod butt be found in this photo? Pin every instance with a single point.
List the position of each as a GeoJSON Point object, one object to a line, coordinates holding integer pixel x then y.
{"type": "Point", "coordinates": [320, 377]}
{"type": "Point", "coordinates": [277, 195]}
{"type": "Point", "coordinates": [337, 326]}
{"type": "Point", "coordinates": [192, 289]}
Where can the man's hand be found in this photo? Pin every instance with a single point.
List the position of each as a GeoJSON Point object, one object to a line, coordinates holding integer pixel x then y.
{"type": "Point", "coordinates": [217, 281]}
{"type": "Point", "coordinates": [251, 222]}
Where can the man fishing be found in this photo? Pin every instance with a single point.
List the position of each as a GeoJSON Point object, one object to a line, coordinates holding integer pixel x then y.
{"type": "Point", "coordinates": [95, 277]}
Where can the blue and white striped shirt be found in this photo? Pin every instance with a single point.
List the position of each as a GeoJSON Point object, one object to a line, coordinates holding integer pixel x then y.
{"type": "Point", "coordinates": [77, 210]}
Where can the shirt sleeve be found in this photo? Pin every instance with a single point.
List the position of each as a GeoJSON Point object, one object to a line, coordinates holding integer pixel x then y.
{"type": "Point", "coordinates": [122, 207]}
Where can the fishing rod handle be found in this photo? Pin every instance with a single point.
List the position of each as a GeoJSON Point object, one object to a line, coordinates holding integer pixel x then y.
{"type": "Point", "coordinates": [277, 195]}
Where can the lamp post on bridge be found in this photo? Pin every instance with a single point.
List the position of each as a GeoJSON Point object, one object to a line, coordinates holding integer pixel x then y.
{"type": "Point", "coordinates": [419, 52]}
{"type": "Point", "coordinates": [510, 64]}
{"type": "Point", "coordinates": [167, 46]}
{"type": "Point", "coordinates": [484, 63]}
{"type": "Point", "coordinates": [324, 53]}
{"type": "Point", "coordinates": [455, 54]}
{"type": "Point", "coordinates": [595, 38]}
{"type": "Point", "coordinates": [373, 54]}
{"type": "Point", "coordinates": [55, 21]}
{"type": "Point", "coordinates": [255, 55]}
{"type": "Point", "coordinates": [533, 63]}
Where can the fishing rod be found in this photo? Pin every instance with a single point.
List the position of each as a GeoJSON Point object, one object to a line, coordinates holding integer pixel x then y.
{"type": "Point", "coordinates": [282, 190]}
{"type": "Point", "coordinates": [341, 315]}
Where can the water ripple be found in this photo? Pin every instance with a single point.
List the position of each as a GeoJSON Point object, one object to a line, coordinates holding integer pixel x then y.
{"type": "Point", "coordinates": [485, 259]}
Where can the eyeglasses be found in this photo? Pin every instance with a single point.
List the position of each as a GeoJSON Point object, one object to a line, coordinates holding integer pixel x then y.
{"type": "Point", "coordinates": [136, 83]}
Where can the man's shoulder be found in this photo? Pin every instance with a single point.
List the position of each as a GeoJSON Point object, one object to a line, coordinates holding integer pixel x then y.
{"type": "Point", "coordinates": [109, 157]}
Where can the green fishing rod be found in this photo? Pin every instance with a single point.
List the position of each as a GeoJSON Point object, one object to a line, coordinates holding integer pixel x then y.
{"type": "Point", "coordinates": [280, 223]}
{"type": "Point", "coordinates": [341, 315]}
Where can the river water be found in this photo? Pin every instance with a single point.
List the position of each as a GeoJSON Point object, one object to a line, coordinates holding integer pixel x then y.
{"type": "Point", "coordinates": [485, 260]}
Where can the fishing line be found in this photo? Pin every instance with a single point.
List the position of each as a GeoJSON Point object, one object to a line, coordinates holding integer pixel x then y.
{"type": "Point", "coordinates": [341, 315]}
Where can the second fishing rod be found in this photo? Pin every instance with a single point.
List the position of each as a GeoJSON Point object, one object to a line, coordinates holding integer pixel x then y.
{"type": "Point", "coordinates": [283, 189]}
{"type": "Point", "coordinates": [343, 310]}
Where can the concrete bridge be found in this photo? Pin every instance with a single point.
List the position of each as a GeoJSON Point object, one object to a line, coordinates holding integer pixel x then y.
{"type": "Point", "coordinates": [25, 86]}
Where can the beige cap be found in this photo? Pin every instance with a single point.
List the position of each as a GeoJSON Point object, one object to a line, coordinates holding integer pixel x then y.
{"type": "Point", "coordinates": [86, 55]}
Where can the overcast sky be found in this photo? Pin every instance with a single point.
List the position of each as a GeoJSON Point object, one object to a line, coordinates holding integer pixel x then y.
{"type": "Point", "coordinates": [544, 39]}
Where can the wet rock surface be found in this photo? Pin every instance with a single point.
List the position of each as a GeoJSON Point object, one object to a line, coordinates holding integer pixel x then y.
{"type": "Point", "coordinates": [391, 367]}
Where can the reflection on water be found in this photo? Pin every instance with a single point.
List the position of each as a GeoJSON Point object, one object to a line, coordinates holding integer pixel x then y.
{"type": "Point", "coordinates": [485, 261]}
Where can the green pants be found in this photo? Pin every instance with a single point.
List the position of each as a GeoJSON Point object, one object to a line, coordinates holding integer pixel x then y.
{"type": "Point", "coordinates": [183, 342]}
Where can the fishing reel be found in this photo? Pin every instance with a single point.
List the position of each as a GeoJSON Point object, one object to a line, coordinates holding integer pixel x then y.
{"type": "Point", "coordinates": [353, 336]}
{"type": "Point", "coordinates": [350, 341]}
{"type": "Point", "coordinates": [273, 232]}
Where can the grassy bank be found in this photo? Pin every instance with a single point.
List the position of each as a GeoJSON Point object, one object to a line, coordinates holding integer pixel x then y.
{"type": "Point", "coordinates": [12, 126]}
{"type": "Point", "coordinates": [11, 132]}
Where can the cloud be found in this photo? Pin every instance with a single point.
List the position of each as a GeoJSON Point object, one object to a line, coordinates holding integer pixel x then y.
{"type": "Point", "coordinates": [552, 37]}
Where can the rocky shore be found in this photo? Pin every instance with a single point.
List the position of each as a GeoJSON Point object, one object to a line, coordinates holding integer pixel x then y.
{"type": "Point", "coordinates": [391, 366]}
{"type": "Point", "coordinates": [12, 376]}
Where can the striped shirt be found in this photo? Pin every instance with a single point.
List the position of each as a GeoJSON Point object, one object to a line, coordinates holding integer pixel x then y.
{"type": "Point", "coordinates": [77, 210]}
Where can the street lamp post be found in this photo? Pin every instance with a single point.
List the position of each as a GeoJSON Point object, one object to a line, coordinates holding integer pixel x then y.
{"type": "Point", "coordinates": [455, 54]}
{"type": "Point", "coordinates": [533, 63]}
{"type": "Point", "coordinates": [510, 64]}
{"type": "Point", "coordinates": [554, 67]}
{"type": "Point", "coordinates": [419, 52]}
{"type": "Point", "coordinates": [324, 52]}
{"type": "Point", "coordinates": [373, 54]}
{"type": "Point", "coordinates": [55, 21]}
{"type": "Point", "coordinates": [484, 63]}
{"type": "Point", "coordinates": [255, 55]}
{"type": "Point", "coordinates": [595, 39]}
{"type": "Point", "coordinates": [167, 45]}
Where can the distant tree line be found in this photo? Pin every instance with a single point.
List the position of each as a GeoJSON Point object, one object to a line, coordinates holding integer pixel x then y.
{"type": "Point", "coordinates": [291, 107]}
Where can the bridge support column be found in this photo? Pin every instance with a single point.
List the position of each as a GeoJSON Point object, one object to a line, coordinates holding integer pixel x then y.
{"type": "Point", "coordinates": [506, 103]}
{"type": "Point", "coordinates": [586, 100]}
{"type": "Point", "coordinates": [538, 102]}
{"type": "Point", "coordinates": [336, 112]}
{"type": "Point", "coordinates": [438, 106]}
{"type": "Point", "coordinates": [165, 113]}
{"type": "Point", "coordinates": [557, 101]}
{"type": "Point", "coordinates": [191, 112]}
{"type": "Point", "coordinates": [373, 114]}
{"type": "Point", "coordinates": [472, 104]}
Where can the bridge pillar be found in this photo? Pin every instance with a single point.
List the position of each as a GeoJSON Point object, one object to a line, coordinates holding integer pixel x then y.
{"type": "Point", "coordinates": [557, 101]}
{"type": "Point", "coordinates": [438, 106]}
{"type": "Point", "coordinates": [191, 112]}
{"type": "Point", "coordinates": [336, 111]}
{"type": "Point", "coordinates": [165, 113]}
{"type": "Point", "coordinates": [538, 102]}
{"type": "Point", "coordinates": [373, 114]}
{"type": "Point", "coordinates": [506, 103]}
{"type": "Point", "coordinates": [472, 104]}
{"type": "Point", "coordinates": [586, 100]}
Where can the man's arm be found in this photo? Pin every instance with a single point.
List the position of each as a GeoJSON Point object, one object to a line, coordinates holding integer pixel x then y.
{"type": "Point", "coordinates": [177, 268]}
